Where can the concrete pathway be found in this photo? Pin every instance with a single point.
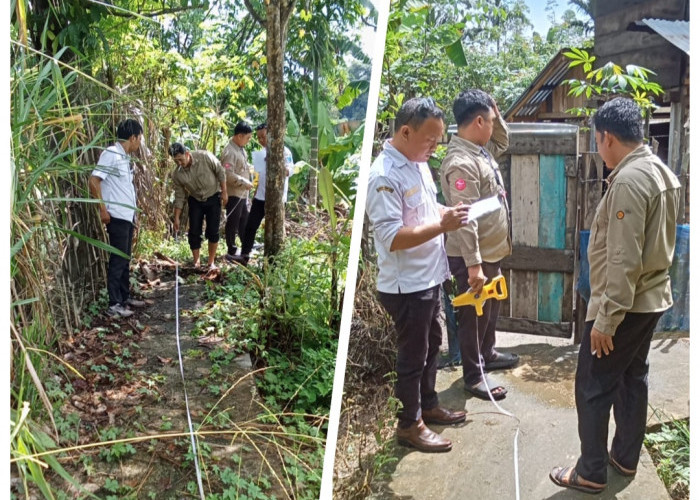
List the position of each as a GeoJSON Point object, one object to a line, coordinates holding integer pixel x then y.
{"type": "Point", "coordinates": [481, 464]}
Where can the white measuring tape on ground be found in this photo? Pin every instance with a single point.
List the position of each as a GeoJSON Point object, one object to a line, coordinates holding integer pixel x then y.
{"type": "Point", "coordinates": [184, 385]}
{"type": "Point", "coordinates": [508, 414]}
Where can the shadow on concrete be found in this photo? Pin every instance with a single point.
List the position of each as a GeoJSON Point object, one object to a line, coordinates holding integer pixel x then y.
{"type": "Point", "coordinates": [382, 487]}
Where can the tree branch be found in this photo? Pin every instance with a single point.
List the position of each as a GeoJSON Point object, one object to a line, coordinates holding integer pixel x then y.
{"type": "Point", "coordinates": [368, 22]}
{"type": "Point", "coordinates": [262, 20]}
{"type": "Point", "coordinates": [286, 8]}
{"type": "Point", "coordinates": [154, 13]}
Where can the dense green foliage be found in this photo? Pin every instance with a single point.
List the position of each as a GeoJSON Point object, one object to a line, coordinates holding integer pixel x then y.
{"type": "Point", "coordinates": [612, 80]}
{"type": "Point", "coordinates": [189, 71]}
{"type": "Point", "coordinates": [441, 48]}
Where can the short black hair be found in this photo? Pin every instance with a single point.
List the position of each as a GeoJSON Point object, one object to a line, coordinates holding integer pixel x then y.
{"type": "Point", "coordinates": [415, 111]}
{"type": "Point", "coordinates": [242, 128]}
{"type": "Point", "coordinates": [469, 104]}
{"type": "Point", "coordinates": [621, 117]}
{"type": "Point", "coordinates": [177, 149]}
{"type": "Point", "coordinates": [262, 126]}
{"type": "Point", "coordinates": [128, 128]}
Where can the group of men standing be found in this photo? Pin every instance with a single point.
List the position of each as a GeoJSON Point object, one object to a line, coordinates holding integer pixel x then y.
{"type": "Point", "coordinates": [421, 244]}
{"type": "Point", "coordinates": [201, 180]}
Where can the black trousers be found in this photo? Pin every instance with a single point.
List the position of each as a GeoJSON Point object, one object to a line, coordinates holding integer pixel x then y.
{"type": "Point", "coordinates": [419, 336]}
{"type": "Point", "coordinates": [121, 233]}
{"type": "Point", "coordinates": [209, 209]}
{"type": "Point", "coordinates": [257, 214]}
{"type": "Point", "coordinates": [237, 216]}
{"type": "Point", "coordinates": [618, 380]}
{"type": "Point", "coordinates": [477, 334]}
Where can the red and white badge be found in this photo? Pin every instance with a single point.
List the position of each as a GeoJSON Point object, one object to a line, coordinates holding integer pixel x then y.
{"type": "Point", "coordinates": [460, 184]}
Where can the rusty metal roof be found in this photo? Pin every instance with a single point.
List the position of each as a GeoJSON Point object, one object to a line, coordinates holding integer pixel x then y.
{"type": "Point", "coordinates": [540, 89]}
{"type": "Point", "coordinates": [675, 31]}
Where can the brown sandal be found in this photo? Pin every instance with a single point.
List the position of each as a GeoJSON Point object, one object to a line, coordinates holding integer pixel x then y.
{"type": "Point", "coordinates": [622, 470]}
{"type": "Point", "coordinates": [559, 477]}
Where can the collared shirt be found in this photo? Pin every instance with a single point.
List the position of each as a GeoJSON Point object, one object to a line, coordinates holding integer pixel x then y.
{"type": "Point", "coordinates": [260, 167]}
{"type": "Point", "coordinates": [200, 180]}
{"type": "Point", "coordinates": [401, 193]}
{"type": "Point", "coordinates": [235, 163]}
{"type": "Point", "coordinates": [632, 241]}
{"type": "Point", "coordinates": [468, 173]}
{"type": "Point", "coordinates": [117, 186]}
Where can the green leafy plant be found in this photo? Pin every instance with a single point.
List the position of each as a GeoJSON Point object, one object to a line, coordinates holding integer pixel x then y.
{"type": "Point", "coordinates": [610, 80]}
{"type": "Point", "coordinates": [118, 450]}
{"type": "Point", "coordinates": [670, 450]}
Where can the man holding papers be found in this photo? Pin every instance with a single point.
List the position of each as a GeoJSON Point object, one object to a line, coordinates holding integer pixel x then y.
{"type": "Point", "coordinates": [409, 226]}
{"type": "Point", "coordinates": [469, 174]}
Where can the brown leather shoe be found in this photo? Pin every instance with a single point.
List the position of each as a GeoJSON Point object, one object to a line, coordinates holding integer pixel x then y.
{"type": "Point", "coordinates": [422, 438]}
{"type": "Point", "coordinates": [443, 416]}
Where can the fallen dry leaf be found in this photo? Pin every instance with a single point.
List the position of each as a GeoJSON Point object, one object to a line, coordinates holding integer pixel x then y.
{"type": "Point", "coordinates": [165, 361]}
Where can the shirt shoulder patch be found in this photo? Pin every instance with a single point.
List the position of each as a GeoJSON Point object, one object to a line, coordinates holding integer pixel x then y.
{"type": "Point", "coordinates": [412, 191]}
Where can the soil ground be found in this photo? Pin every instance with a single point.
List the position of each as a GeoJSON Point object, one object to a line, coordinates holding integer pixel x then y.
{"type": "Point", "coordinates": [133, 384]}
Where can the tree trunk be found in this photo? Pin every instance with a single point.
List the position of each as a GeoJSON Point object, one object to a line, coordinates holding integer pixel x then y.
{"type": "Point", "coordinates": [313, 160]}
{"type": "Point", "coordinates": [277, 17]}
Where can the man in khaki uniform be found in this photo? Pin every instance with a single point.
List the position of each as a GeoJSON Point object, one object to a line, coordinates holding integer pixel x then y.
{"type": "Point", "coordinates": [630, 251]}
{"type": "Point", "coordinates": [199, 179]}
{"type": "Point", "coordinates": [235, 162]}
{"type": "Point", "coordinates": [469, 173]}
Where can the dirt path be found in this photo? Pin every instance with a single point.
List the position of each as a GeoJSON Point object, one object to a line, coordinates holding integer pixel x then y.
{"type": "Point", "coordinates": [133, 387]}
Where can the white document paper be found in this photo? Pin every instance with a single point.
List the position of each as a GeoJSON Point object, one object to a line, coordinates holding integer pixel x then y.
{"type": "Point", "coordinates": [483, 207]}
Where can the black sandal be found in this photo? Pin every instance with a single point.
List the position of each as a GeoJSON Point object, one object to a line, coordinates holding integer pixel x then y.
{"type": "Point", "coordinates": [481, 391]}
{"type": "Point", "coordinates": [502, 361]}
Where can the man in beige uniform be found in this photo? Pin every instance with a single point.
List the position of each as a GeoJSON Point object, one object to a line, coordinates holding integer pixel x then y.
{"type": "Point", "coordinates": [235, 162]}
{"type": "Point", "coordinates": [201, 180]}
{"type": "Point", "coordinates": [469, 173]}
{"type": "Point", "coordinates": [630, 251]}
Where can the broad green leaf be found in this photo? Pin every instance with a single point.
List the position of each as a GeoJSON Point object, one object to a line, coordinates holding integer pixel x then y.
{"type": "Point", "coordinates": [96, 243]}
{"type": "Point", "coordinates": [325, 187]}
{"type": "Point", "coordinates": [455, 52]}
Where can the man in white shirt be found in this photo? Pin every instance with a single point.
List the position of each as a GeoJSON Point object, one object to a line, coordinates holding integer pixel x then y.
{"type": "Point", "coordinates": [409, 225]}
{"type": "Point", "coordinates": [113, 183]}
{"type": "Point", "coordinates": [257, 209]}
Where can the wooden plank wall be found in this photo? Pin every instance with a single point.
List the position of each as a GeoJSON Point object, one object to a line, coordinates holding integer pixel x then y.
{"type": "Point", "coordinates": [525, 210]}
{"type": "Point", "coordinates": [613, 42]}
{"type": "Point", "coordinates": [541, 175]}
{"type": "Point", "coordinates": [552, 234]}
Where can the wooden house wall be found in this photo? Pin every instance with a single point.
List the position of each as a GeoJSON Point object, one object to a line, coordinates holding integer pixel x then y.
{"type": "Point", "coordinates": [613, 42]}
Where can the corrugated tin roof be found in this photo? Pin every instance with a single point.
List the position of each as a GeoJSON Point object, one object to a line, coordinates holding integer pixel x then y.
{"type": "Point", "coordinates": [675, 31]}
{"type": "Point", "coordinates": [540, 89]}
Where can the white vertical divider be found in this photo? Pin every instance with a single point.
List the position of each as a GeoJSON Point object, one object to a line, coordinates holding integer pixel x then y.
{"type": "Point", "coordinates": [382, 7]}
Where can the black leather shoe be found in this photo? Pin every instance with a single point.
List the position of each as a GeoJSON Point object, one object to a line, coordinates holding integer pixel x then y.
{"type": "Point", "coordinates": [443, 416]}
{"type": "Point", "coordinates": [423, 439]}
{"type": "Point", "coordinates": [241, 259]}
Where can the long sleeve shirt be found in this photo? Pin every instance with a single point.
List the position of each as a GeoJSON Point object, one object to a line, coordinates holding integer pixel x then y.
{"type": "Point", "coordinates": [632, 241]}
{"type": "Point", "coordinates": [470, 173]}
{"type": "Point", "coordinates": [235, 163]}
{"type": "Point", "coordinates": [201, 180]}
